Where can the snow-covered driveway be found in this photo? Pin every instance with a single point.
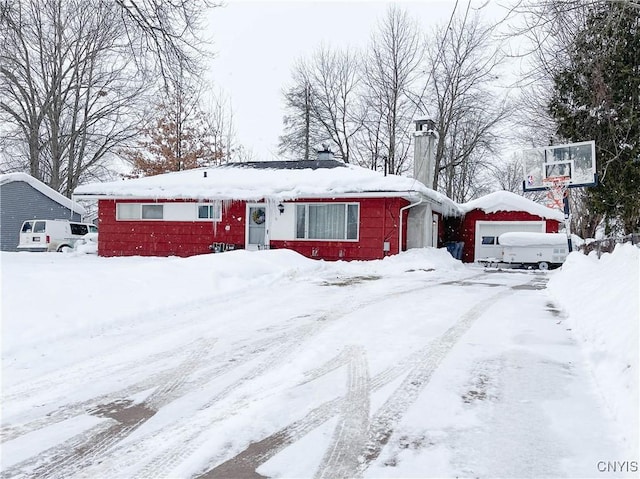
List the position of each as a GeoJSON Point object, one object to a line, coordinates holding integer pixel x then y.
{"type": "Point", "coordinates": [247, 364]}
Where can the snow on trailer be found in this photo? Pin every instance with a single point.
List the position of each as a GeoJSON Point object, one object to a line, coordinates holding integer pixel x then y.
{"type": "Point", "coordinates": [539, 250]}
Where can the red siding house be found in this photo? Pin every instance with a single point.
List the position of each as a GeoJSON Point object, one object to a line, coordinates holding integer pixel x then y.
{"type": "Point", "coordinates": [488, 217]}
{"type": "Point", "coordinates": [321, 208]}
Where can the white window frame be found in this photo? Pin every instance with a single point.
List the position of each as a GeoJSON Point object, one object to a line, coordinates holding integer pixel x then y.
{"type": "Point", "coordinates": [138, 212]}
{"type": "Point", "coordinates": [346, 221]}
{"type": "Point", "coordinates": [214, 207]}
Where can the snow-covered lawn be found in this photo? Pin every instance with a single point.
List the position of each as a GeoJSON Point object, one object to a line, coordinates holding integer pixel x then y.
{"type": "Point", "coordinates": [222, 365]}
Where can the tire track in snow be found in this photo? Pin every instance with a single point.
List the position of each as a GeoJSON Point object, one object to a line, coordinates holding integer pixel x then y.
{"type": "Point", "coordinates": [286, 345]}
{"type": "Point", "coordinates": [21, 392]}
{"type": "Point", "coordinates": [368, 439]}
{"type": "Point", "coordinates": [220, 364]}
{"type": "Point", "coordinates": [91, 446]}
{"type": "Point", "coordinates": [104, 440]}
{"type": "Point", "coordinates": [342, 455]}
{"type": "Point", "coordinates": [168, 459]}
{"type": "Point", "coordinates": [388, 416]}
{"type": "Point", "coordinates": [10, 432]}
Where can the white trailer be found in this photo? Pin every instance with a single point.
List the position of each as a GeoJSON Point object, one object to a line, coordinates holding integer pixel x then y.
{"type": "Point", "coordinates": [534, 250]}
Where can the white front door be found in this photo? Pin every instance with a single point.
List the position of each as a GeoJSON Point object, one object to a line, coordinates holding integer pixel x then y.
{"type": "Point", "coordinates": [256, 233]}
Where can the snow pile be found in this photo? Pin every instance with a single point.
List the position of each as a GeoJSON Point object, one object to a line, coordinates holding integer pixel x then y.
{"type": "Point", "coordinates": [604, 315]}
{"type": "Point", "coordinates": [98, 291]}
{"type": "Point", "coordinates": [88, 244]}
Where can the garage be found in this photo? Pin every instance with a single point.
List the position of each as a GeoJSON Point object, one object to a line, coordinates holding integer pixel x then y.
{"type": "Point", "coordinates": [488, 217]}
{"type": "Point", "coordinates": [487, 233]}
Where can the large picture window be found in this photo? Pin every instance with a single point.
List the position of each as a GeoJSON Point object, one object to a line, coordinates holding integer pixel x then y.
{"type": "Point", "coordinates": [327, 221]}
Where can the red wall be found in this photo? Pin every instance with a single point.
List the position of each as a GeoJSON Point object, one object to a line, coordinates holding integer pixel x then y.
{"type": "Point", "coordinates": [469, 227]}
{"type": "Point", "coordinates": [379, 222]}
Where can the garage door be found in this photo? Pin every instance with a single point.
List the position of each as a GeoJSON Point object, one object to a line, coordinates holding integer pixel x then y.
{"type": "Point", "coordinates": [487, 233]}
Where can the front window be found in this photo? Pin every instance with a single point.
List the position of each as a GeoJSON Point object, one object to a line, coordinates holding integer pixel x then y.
{"type": "Point", "coordinates": [327, 221]}
{"type": "Point", "coordinates": [128, 211]}
{"type": "Point", "coordinates": [210, 211]}
{"type": "Point", "coordinates": [152, 212]}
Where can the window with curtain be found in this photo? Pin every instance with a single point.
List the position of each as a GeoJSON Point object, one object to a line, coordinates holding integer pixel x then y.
{"type": "Point", "coordinates": [327, 221]}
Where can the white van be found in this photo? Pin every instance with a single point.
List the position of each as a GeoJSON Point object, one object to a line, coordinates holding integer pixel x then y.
{"type": "Point", "coordinates": [52, 235]}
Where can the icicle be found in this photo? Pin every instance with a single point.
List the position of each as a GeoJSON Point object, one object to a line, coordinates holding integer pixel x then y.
{"type": "Point", "coordinates": [226, 206]}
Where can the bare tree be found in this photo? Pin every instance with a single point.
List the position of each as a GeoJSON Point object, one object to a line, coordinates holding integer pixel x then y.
{"type": "Point", "coordinates": [545, 31]}
{"type": "Point", "coordinates": [73, 75]}
{"type": "Point", "coordinates": [390, 71]}
{"type": "Point", "coordinates": [67, 92]}
{"type": "Point", "coordinates": [334, 78]}
{"type": "Point", "coordinates": [220, 128]}
{"type": "Point", "coordinates": [323, 103]}
{"type": "Point", "coordinates": [464, 68]}
{"type": "Point", "coordinates": [302, 131]}
{"type": "Point", "coordinates": [166, 33]}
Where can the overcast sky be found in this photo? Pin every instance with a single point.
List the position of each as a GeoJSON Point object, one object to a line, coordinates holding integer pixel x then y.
{"type": "Point", "coordinates": [256, 44]}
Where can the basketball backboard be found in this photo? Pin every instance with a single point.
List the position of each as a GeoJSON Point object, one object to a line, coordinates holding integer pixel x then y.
{"type": "Point", "coordinates": [573, 164]}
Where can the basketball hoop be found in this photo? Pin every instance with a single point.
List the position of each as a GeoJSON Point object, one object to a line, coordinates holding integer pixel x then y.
{"type": "Point", "coordinates": [557, 191]}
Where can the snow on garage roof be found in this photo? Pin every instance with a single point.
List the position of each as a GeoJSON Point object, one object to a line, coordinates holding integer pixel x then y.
{"type": "Point", "coordinates": [507, 201]}
{"type": "Point", "coordinates": [44, 189]}
{"type": "Point", "coordinates": [282, 181]}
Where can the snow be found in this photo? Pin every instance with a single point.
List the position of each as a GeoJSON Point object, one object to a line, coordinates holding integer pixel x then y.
{"type": "Point", "coordinates": [242, 183]}
{"type": "Point", "coordinates": [601, 298]}
{"type": "Point", "coordinates": [436, 368]}
{"type": "Point", "coordinates": [533, 239]}
{"type": "Point", "coordinates": [42, 188]}
{"type": "Point", "coordinates": [507, 201]}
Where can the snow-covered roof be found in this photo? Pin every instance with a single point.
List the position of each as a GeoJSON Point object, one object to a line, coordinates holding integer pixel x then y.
{"type": "Point", "coordinates": [44, 189]}
{"type": "Point", "coordinates": [507, 201]}
{"type": "Point", "coordinates": [247, 182]}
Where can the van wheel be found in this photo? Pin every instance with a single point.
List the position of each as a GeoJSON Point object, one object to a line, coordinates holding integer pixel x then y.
{"type": "Point", "coordinates": [64, 248]}
{"type": "Point", "coordinates": [543, 266]}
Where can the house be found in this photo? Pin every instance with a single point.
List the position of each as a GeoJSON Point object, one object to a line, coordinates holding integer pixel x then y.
{"type": "Point", "coordinates": [486, 218]}
{"type": "Point", "coordinates": [321, 208]}
{"type": "Point", "coordinates": [23, 197]}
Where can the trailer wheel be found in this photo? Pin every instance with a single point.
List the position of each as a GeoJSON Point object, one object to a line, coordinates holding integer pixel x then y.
{"type": "Point", "coordinates": [543, 266]}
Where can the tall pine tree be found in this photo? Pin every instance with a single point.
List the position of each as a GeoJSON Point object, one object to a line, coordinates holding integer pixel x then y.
{"type": "Point", "coordinates": [597, 97]}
